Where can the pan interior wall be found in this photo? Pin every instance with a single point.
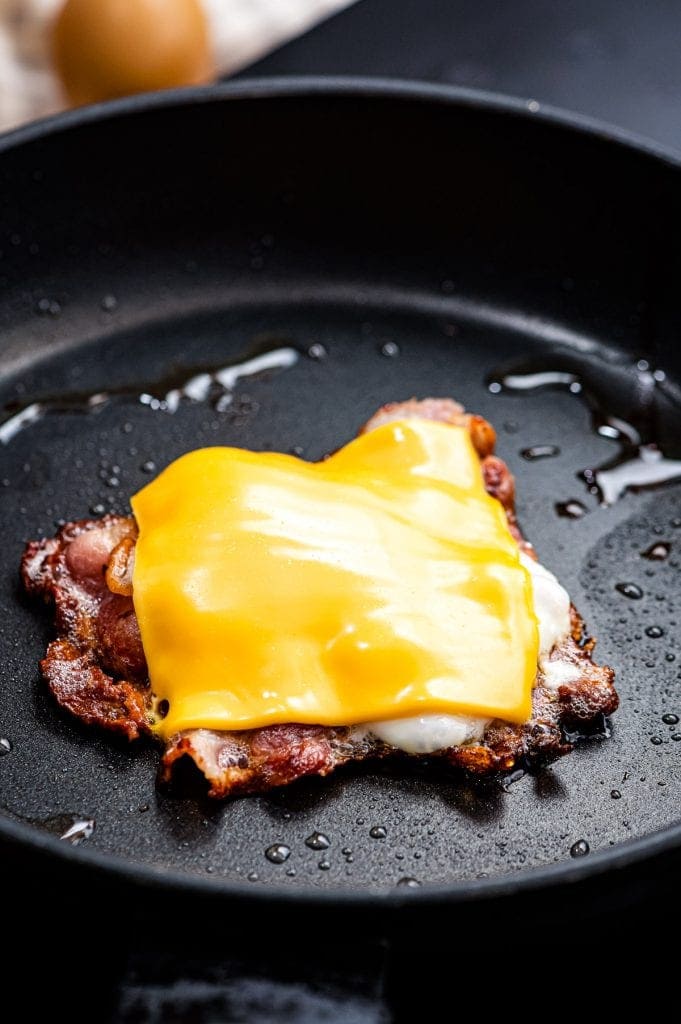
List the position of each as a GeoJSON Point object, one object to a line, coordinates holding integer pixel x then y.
{"type": "Point", "coordinates": [403, 247]}
{"type": "Point", "coordinates": [437, 827]}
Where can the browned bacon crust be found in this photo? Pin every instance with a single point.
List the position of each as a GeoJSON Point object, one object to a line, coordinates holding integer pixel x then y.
{"type": "Point", "coordinates": [96, 667]}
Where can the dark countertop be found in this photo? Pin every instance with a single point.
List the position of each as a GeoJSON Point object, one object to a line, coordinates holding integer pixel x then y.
{"type": "Point", "coordinates": [618, 62]}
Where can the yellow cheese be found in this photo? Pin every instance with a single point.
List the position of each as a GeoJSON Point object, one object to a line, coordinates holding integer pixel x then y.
{"type": "Point", "coordinates": [381, 583]}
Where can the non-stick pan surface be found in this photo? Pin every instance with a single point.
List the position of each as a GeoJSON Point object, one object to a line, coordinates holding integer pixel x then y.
{"type": "Point", "coordinates": [403, 241]}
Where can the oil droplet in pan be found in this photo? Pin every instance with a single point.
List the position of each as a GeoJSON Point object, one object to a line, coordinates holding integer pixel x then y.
{"type": "Point", "coordinates": [390, 349]}
{"type": "Point", "coordinates": [571, 509]}
{"type": "Point", "coordinates": [629, 403]}
{"type": "Point", "coordinates": [580, 848]}
{"type": "Point", "coordinates": [631, 590]}
{"type": "Point", "coordinates": [540, 451]}
{"type": "Point", "coordinates": [318, 841]}
{"type": "Point", "coordinates": [278, 853]}
{"type": "Point", "coordinates": [317, 351]}
{"type": "Point", "coordinates": [71, 828]}
{"type": "Point", "coordinates": [657, 552]}
{"type": "Point", "coordinates": [79, 831]}
{"type": "Point", "coordinates": [408, 883]}
{"type": "Point", "coordinates": [164, 395]}
{"type": "Point", "coordinates": [633, 472]}
{"type": "Point", "coordinates": [533, 381]}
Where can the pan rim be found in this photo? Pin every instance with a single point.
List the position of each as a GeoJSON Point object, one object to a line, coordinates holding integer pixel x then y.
{"type": "Point", "coordinates": [618, 858]}
{"type": "Point", "coordinates": [311, 86]}
{"type": "Point", "coordinates": [429, 896]}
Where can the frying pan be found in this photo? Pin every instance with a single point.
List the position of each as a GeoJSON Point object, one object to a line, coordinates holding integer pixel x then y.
{"type": "Point", "coordinates": [402, 240]}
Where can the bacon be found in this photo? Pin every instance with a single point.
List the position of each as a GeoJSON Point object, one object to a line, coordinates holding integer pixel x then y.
{"type": "Point", "coordinates": [97, 671]}
{"type": "Point", "coordinates": [442, 410]}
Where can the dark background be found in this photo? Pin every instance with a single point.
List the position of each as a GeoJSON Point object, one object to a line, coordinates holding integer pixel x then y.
{"type": "Point", "coordinates": [615, 61]}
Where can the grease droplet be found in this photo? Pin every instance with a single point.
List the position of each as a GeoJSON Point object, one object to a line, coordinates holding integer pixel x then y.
{"type": "Point", "coordinates": [46, 306]}
{"type": "Point", "coordinates": [408, 883]}
{"type": "Point", "coordinates": [656, 740]}
{"type": "Point", "coordinates": [580, 848]}
{"type": "Point", "coordinates": [318, 841]}
{"type": "Point", "coordinates": [391, 349]}
{"type": "Point", "coordinates": [615, 794]}
{"type": "Point", "coordinates": [571, 509]}
{"type": "Point", "coordinates": [6, 746]}
{"type": "Point", "coordinates": [378, 832]}
{"type": "Point", "coordinates": [278, 853]}
{"type": "Point", "coordinates": [648, 469]}
{"type": "Point", "coordinates": [317, 351]}
{"type": "Point", "coordinates": [253, 876]}
{"type": "Point", "coordinates": [324, 864]}
{"type": "Point", "coordinates": [79, 831]}
{"type": "Point", "coordinates": [533, 381]}
{"type": "Point", "coordinates": [655, 632]}
{"type": "Point", "coordinates": [149, 466]}
{"type": "Point", "coordinates": [540, 451]}
{"type": "Point", "coordinates": [657, 552]}
{"type": "Point", "coordinates": [670, 719]}
{"type": "Point", "coordinates": [631, 590]}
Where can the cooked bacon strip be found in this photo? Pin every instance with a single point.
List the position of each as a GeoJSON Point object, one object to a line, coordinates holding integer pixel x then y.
{"type": "Point", "coordinates": [96, 669]}
{"type": "Point", "coordinates": [441, 410]}
{"type": "Point", "coordinates": [120, 567]}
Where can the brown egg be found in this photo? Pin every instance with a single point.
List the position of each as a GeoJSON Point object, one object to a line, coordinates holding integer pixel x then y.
{"type": "Point", "coordinates": [109, 48]}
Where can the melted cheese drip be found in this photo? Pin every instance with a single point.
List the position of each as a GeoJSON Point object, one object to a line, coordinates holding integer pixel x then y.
{"type": "Point", "coordinates": [382, 583]}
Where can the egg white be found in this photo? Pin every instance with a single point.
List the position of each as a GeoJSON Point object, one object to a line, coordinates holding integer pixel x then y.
{"type": "Point", "coordinates": [424, 734]}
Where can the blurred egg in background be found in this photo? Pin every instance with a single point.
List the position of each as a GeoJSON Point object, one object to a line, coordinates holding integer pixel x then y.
{"type": "Point", "coordinates": [59, 53]}
{"type": "Point", "coordinates": [109, 48]}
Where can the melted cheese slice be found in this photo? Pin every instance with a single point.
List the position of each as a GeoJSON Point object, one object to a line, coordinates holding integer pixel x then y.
{"type": "Point", "coordinates": [380, 583]}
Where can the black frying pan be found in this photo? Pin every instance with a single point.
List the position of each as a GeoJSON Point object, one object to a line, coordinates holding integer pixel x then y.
{"type": "Point", "coordinates": [472, 236]}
